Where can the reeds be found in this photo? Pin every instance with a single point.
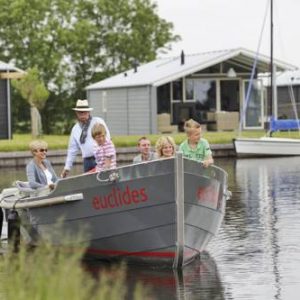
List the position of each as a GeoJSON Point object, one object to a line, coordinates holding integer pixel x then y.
{"type": "Point", "coordinates": [50, 273]}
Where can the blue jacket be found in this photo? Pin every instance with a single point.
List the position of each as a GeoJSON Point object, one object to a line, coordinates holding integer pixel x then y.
{"type": "Point", "coordinates": [36, 176]}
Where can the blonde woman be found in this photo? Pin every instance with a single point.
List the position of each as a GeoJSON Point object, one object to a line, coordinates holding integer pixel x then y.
{"type": "Point", "coordinates": [195, 147]}
{"type": "Point", "coordinates": [165, 147]}
{"type": "Point", "coordinates": [39, 170]}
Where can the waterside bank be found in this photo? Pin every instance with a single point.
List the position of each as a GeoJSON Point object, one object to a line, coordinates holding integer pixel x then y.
{"type": "Point", "coordinates": [124, 156]}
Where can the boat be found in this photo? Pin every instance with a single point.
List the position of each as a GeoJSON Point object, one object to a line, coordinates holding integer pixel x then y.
{"type": "Point", "coordinates": [160, 212]}
{"type": "Point", "coordinates": [266, 146]}
{"type": "Point", "coordinates": [269, 145]}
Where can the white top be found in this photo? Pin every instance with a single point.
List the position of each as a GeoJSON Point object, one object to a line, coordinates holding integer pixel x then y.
{"type": "Point", "coordinates": [48, 176]}
{"type": "Point", "coordinates": [167, 69]}
{"type": "Point", "coordinates": [86, 148]}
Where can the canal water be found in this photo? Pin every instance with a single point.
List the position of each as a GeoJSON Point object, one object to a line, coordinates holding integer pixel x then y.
{"type": "Point", "coordinates": [256, 254]}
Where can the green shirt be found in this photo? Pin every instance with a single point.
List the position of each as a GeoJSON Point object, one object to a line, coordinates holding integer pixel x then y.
{"type": "Point", "coordinates": [200, 153]}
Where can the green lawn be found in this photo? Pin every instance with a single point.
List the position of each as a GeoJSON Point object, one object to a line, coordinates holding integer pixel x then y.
{"type": "Point", "coordinates": [20, 141]}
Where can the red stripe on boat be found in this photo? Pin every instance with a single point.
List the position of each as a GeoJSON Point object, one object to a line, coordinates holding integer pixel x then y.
{"type": "Point", "coordinates": [144, 253]}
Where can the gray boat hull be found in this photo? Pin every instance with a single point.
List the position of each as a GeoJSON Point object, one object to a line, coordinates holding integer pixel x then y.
{"type": "Point", "coordinates": [161, 212]}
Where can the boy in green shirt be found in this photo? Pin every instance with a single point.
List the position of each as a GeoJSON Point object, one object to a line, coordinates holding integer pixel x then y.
{"type": "Point", "coordinates": [195, 147]}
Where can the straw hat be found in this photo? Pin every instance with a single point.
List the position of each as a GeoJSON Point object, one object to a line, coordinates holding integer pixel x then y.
{"type": "Point", "coordinates": [82, 105]}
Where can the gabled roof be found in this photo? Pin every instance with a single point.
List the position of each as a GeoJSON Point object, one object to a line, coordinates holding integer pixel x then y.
{"type": "Point", "coordinates": [8, 67]}
{"type": "Point", "coordinates": [165, 70]}
{"type": "Point", "coordinates": [288, 78]}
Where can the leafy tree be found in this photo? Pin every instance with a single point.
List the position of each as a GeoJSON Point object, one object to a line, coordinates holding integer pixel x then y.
{"type": "Point", "coordinates": [34, 91]}
{"type": "Point", "coordinates": [76, 42]}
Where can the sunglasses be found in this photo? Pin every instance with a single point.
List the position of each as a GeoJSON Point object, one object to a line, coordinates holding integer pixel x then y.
{"type": "Point", "coordinates": [42, 150]}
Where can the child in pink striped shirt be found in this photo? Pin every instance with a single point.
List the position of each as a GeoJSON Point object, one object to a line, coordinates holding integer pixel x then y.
{"type": "Point", "coordinates": [104, 152]}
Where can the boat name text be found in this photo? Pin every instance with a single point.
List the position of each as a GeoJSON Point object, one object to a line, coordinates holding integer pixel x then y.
{"type": "Point", "coordinates": [118, 198]}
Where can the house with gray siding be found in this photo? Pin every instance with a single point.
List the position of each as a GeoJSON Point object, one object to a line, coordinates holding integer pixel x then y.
{"type": "Point", "coordinates": [288, 94]}
{"type": "Point", "coordinates": [210, 87]}
{"type": "Point", "coordinates": [7, 72]}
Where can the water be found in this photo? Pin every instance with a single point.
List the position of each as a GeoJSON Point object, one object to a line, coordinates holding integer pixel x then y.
{"type": "Point", "coordinates": [256, 252]}
{"type": "Point", "coordinates": [257, 249]}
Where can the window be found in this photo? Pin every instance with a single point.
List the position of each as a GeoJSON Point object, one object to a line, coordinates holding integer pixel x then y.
{"type": "Point", "coordinates": [253, 117]}
{"type": "Point", "coordinates": [230, 95]}
{"type": "Point", "coordinates": [189, 89]}
{"type": "Point", "coordinates": [163, 99]}
{"type": "Point", "coordinates": [177, 90]}
{"type": "Point", "coordinates": [205, 94]}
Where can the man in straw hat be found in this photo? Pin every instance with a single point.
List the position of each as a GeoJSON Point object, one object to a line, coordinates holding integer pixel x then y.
{"type": "Point", "coordinates": [81, 138]}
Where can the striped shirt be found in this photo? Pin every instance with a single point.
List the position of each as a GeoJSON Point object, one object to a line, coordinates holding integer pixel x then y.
{"type": "Point", "coordinates": [103, 153]}
{"type": "Point", "coordinates": [87, 148]}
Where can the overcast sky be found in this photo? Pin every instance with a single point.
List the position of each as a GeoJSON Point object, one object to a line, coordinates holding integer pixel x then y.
{"type": "Point", "coordinates": [206, 25]}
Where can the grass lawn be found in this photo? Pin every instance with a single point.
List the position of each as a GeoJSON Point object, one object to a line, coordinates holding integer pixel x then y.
{"type": "Point", "coordinates": [20, 141]}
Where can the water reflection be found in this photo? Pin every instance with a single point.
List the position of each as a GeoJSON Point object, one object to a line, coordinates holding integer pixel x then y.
{"type": "Point", "coordinates": [259, 243]}
{"type": "Point", "coordinates": [198, 280]}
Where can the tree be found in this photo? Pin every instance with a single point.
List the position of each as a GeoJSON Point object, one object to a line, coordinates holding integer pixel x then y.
{"type": "Point", "coordinates": [75, 43]}
{"type": "Point", "coordinates": [34, 91]}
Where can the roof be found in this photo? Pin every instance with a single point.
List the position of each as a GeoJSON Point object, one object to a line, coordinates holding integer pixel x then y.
{"type": "Point", "coordinates": [288, 78]}
{"type": "Point", "coordinates": [8, 67]}
{"type": "Point", "coordinates": [164, 70]}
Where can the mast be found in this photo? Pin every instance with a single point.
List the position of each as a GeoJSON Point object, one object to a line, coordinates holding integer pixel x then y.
{"type": "Point", "coordinates": [271, 60]}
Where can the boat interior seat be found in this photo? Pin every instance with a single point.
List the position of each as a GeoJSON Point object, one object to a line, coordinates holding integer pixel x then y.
{"type": "Point", "coordinates": [24, 188]}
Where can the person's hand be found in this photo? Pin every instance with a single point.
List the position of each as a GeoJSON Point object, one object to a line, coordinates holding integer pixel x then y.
{"type": "Point", "coordinates": [64, 173]}
{"type": "Point", "coordinates": [51, 186]}
{"type": "Point", "coordinates": [206, 163]}
{"type": "Point", "coordinates": [107, 162]}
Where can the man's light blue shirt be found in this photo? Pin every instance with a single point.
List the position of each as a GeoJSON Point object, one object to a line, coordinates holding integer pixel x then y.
{"type": "Point", "coordinates": [87, 148]}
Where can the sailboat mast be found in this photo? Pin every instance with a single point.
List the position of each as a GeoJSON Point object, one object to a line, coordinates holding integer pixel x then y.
{"type": "Point", "coordinates": [271, 60]}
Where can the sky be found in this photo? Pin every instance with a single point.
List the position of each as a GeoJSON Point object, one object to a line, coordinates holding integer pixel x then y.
{"type": "Point", "coordinates": [208, 25]}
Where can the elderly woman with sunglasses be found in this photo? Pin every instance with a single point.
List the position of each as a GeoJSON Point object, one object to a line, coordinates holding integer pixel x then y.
{"type": "Point", "coordinates": [39, 170]}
